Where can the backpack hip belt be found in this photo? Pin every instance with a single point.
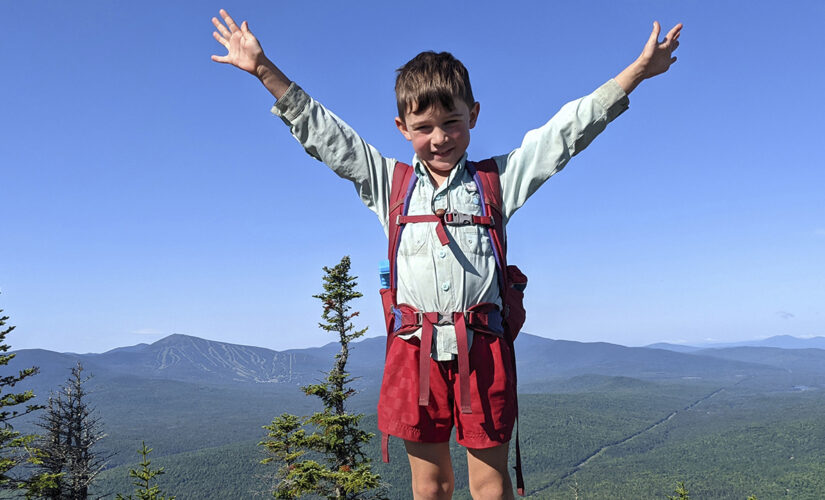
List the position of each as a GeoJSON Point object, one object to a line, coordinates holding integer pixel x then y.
{"type": "Point", "coordinates": [482, 318]}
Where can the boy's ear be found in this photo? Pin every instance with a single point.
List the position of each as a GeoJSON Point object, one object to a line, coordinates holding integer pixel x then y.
{"type": "Point", "coordinates": [402, 127]}
{"type": "Point", "coordinates": [474, 114]}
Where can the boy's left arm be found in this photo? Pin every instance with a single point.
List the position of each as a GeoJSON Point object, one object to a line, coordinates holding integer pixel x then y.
{"type": "Point", "coordinates": [547, 149]}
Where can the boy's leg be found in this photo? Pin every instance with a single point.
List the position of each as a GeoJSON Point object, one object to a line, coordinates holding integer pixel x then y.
{"type": "Point", "coordinates": [489, 475]}
{"type": "Point", "coordinates": [432, 471]}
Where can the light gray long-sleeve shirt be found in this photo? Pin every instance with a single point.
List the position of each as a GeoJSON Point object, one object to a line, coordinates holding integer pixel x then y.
{"type": "Point", "coordinates": [432, 277]}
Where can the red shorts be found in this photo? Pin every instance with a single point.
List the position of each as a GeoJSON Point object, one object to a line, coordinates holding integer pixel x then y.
{"type": "Point", "coordinates": [492, 395]}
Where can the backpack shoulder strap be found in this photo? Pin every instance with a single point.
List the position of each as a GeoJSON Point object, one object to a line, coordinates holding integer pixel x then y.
{"type": "Point", "coordinates": [403, 183]}
{"type": "Point", "coordinates": [486, 174]}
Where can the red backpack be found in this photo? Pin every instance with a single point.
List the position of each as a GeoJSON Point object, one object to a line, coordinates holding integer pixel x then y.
{"type": "Point", "coordinates": [485, 317]}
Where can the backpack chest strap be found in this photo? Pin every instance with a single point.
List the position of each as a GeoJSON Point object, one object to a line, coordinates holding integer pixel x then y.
{"type": "Point", "coordinates": [443, 218]}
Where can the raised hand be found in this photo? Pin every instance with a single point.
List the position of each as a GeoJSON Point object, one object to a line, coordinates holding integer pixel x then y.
{"type": "Point", "coordinates": [244, 50]}
{"type": "Point", "coordinates": [657, 57]}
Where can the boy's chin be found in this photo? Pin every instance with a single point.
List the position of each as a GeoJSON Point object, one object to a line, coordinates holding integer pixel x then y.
{"type": "Point", "coordinates": [443, 165]}
{"type": "Point", "coordinates": [440, 167]}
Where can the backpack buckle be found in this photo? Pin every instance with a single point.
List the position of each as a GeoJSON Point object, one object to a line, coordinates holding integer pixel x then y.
{"type": "Point", "coordinates": [443, 319]}
{"type": "Point", "coordinates": [458, 219]}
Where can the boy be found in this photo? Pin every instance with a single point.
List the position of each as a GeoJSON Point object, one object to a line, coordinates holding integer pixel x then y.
{"type": "Point", "coordinates": [456, 269]}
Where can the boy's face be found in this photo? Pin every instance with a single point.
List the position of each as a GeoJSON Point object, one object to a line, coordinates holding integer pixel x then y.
{"type": "Point", "coordinates": [440, 137]}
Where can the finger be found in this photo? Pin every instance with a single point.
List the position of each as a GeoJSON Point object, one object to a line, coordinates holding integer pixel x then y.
{"type": "Point", "coordinates": [674, 31]}
{"type": "Point", "coordinates": [221, 40]}
{"type": "Point", "coordinates": [221, 59]}
{"type": "Point", "coordinates": [245, 27]}
{"type": "Point", "coordinates": [221, 28]}
{"type": "Point", "coordinates": [654, 35]}
{"type": "Point", "coordinates": [674, 45]}
{"type": "Point", "coordinates": [229, 21]}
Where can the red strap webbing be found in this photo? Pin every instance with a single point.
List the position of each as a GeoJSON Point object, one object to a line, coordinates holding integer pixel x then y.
{"type": "Point", "coordinates": [403, 181]}
{"type": "Point", "coordinates": [439, 226]}
{"type": "Point", "coordinates": [463, 361]}
{"type": "Point", "coordinates": [427, 320]}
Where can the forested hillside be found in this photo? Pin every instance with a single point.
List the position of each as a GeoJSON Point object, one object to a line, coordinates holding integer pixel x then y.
{"type": "Point", "coordinates": [632, 440]}
{"type": "Point", "coordinates": [603, 420]}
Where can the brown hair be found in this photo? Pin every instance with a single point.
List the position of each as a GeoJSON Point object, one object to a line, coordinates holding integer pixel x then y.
{"type": "Point", "coordinates": [432, 78]}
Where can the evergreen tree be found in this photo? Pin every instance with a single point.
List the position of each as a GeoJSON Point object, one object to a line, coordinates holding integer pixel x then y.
{"type": "Point", "coordinates": [342, 471]}
{"type": "Point", "coordinates": [681, 492]}
{"type": "Point", "coordinates": [16, 449]}
{"type": "Point", "coordinates": [143, 479]}
{"type": "Point", "coordinates": [71, 431]}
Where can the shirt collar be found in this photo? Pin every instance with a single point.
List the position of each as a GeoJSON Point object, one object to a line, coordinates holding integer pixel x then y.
{"type": "Point", "coordinates": [421, 171]}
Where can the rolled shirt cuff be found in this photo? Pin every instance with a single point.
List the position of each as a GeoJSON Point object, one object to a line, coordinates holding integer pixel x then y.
{"type": "Point", "coordinates": [291, 104]}
{"type": "Point", "coordinates": [613, 98]}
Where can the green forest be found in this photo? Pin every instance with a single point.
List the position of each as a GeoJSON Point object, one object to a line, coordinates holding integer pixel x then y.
{"type": "Point", "coordinates": [731, 445]}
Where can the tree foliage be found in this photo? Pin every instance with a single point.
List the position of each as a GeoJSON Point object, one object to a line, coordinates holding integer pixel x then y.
{"type": "Point", "coordinates": [322, 454]}
{"type": "Point", "coordinates": [681, 491]}
{"type": "Point", "coordinates": [68, 445]}
{"type": "Point", "coordinates": [17, 450]}
{"type": "Point", "coordinates": [143, 479]}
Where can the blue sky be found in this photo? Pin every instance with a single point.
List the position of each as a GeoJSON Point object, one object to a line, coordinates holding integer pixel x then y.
{"type": "Point", "coordinates": [145, 190]}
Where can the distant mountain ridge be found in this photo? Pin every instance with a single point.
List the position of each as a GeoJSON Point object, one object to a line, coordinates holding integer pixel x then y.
{"type": "Point", "coordinates": [542, 362]}
{"type": "Point", "coordinates": [779, 341]}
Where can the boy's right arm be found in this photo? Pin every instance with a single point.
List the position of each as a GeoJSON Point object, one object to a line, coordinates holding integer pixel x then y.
{"type": "Point", "coordinates": [322, 134]}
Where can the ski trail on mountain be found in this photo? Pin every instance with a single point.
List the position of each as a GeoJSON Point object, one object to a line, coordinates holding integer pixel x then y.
{"type": "Point", "coordinates": [624, 440]}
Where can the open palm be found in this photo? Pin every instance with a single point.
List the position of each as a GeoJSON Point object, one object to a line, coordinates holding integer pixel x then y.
{"type": "Point", "coordinates": [244, 50]}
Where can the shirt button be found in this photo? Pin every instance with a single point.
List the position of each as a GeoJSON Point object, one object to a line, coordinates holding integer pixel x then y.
{"type": "Point", "coordinates": [442, 254]}
{"type": "Point", "coordinates": [445, 286]}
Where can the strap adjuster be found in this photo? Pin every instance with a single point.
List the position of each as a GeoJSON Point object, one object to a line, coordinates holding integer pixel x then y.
{"type": "Point", "coordinates": [443, 319]}
{"type": "Point", "coordinates": [458, 219]}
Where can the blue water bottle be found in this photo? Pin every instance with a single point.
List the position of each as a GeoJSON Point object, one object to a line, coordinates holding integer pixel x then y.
{"type": "Point", "coordinates": [384, 273]}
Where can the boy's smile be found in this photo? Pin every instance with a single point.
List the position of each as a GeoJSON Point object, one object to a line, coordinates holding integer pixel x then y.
{"type": "Point", "coordinates": [440, 137]}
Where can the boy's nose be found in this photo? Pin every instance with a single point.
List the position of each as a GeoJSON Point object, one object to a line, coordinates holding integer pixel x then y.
{"type": "Point", "coordinates": [441, 137]}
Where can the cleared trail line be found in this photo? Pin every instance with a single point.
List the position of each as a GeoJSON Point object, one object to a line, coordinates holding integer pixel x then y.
{"type": "Point", "coordinates": [626, 439]}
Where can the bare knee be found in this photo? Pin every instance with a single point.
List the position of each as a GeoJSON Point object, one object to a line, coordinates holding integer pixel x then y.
{"type": "Point", "coordinates": [433, 488]}
{"type": "Point", "coordinates": [491, 489]}
{"type": "Point", "coordinates": [432, 470]}
{"type": "Point", "coordinates": [489, 475]}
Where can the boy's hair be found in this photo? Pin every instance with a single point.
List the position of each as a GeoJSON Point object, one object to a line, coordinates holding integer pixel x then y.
{"type": "Point", "coordinates": [432, 78]}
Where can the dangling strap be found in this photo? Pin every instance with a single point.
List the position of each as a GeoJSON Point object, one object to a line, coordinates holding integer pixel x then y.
{"type": "Point", "coordinates": [519, 475]}
{"type": "Point", "coordinates": [385, 448]}
{"type": "Point", "coordinates": [427, 320]}
{"type": "Point", "coordinates": [463, 361]}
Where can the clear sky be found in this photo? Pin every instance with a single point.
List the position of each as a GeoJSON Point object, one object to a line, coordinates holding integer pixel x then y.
{"type": "Point", "coordinates": [146, 190]}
